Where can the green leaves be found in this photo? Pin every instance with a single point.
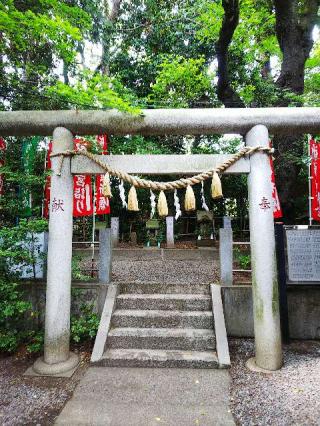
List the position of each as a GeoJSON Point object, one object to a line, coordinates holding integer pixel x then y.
{"type": "Point", "coordinates": [180, 81]}
{"type": "Point", "coordinates": [92, 91]}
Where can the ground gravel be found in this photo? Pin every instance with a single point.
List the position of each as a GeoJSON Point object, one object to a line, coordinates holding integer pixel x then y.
{"type": "Point", "coordinates": [33, 400]}
{"type": "Point", "coordinates": [170, 271]}
{"type": "Point", "coordinates": [290, 396]}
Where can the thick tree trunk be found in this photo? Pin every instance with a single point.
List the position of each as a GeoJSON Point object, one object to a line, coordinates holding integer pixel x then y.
{"type": "Point", "coordinates": [111, 13]}
{"type": "Point", "coordinates": [294, 25]}
{"type": "Point", "coordinates": [225, 92]}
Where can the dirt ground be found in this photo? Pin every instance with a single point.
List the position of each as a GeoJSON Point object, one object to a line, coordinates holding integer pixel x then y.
{"type": "Point", "coordinates": [28, 400]}
{"type": "Point", "coordinates": [288, 397]}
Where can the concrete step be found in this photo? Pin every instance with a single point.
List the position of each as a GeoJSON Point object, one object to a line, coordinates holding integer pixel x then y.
{"type": "Point", "coordinates": [158, 358]}
{"type": "Point", "coordinates": [159, 338]}
{"type": "Point", "coordinates": [162, 319]}
{"type": "Point", "coordinates": [164, 288]}
{"type": "Point", "coordinates": [179, 302]}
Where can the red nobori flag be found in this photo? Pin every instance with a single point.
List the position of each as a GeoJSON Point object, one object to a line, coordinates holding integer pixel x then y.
{"type": "Point", "coordinates": [82, 196]}
{"type": "Point", "coordinates": [102, 202]}
{"type": "Point", "coordinates": [82, 188]}
{"type": "Point", "coordinates": [3, 147]}
{"type": "Point", "coordinates": [47, 187]}
{"type": "Point", "coordinates": [277, 212]}
{"type": "Point", "coordinates": [315, 179]}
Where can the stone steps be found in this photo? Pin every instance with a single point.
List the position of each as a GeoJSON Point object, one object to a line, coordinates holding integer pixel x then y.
{"type": "Point", "coordinates": [160, 338]}
{"type": "Point", "coordinates": [162, 319]}
{"type": "Point", "coordinates": [158, 358]}
{"type": "Point", "coordinates": [164, 288]}
{"type": "Point", "coordinates": [181, 302]}
{"type": "Point", "coordinates": [158, 325]}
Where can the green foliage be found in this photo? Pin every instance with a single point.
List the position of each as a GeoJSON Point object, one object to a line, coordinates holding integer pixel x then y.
{"type": "Point", "coordinates": [16, 243]}
{"type": "Point", "coordinates": [91, 91]}
{"type": "Point", "coordinates": [76, 270]}
{"type": "Point", "coordinates": [84, 326]}
{"type": "Point", "coordinates": [180, 81]}
{"type": "Point", "coordinates": [13, 312]}
{"type": "Point", "coordinates": [243, 259]}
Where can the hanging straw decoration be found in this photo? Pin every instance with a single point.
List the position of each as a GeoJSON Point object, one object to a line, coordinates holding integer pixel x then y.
{"type": "Point", "coordinates": [216, 187]}
{"type": "Point", "coordinates": [189, 200]}
{"type": "Point", "coordinates": [133, 205]}
{"type": "Point", "coordinates": [177, 205]}
{"type": "Point", "coordinates": [203, 200]}
{"type": "Point", "coordinates": [162, 205]}
{"type": "Point", "coordinates": [106, 188]}
{"type": "Point", "coordinates": [122, 195]}
{"type": "Point", "coordinates": [153, 203]}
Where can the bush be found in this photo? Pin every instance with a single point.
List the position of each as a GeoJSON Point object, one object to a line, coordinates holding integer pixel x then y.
{"type": "Point", "coordinates": [84, 326]}
{"type": "Point", "coordinates": [13, 312]}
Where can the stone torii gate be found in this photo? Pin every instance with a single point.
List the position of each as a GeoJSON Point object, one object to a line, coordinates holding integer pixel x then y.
{"type": "Point", "coordinates": [254, 123]}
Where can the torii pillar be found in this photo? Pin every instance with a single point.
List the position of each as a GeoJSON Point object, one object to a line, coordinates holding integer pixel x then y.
{"type": "Point", "coordinates": [263, 256]}
{"type": "Point", "coordinates": [57, 359]}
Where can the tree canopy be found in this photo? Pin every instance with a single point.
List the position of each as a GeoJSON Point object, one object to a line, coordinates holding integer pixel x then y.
{"type": "Point", "coordinates": [129, 54]}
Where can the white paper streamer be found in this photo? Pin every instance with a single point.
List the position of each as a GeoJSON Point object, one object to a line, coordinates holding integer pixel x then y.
{"type": "Point", "coordinates": [203, 200]}
{"type": "Point", "coordinates": [153, 203]}
{"type": "Point", "coordinates": [177, 205]}
{"type": "Point", "coordinates": [122, 195]}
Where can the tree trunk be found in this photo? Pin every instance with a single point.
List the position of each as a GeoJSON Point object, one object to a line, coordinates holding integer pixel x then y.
{"type": "Point", "coordinates": [225, 92]}
{"type": "Point", "coordinates": [294, 32]}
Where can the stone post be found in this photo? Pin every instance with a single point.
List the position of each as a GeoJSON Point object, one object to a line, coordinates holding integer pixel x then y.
{"type": "Point", "coordinates": [263, 257]}
{"type": "Point", "coordinates": [226, 256]}
{"type": "Point", "coordinates": [57, 358]}
{"type": "Point", "coordinates": [105, 256]}
{"type": "Point", "coordinates": [170, 231]}
{"type": "Point", "coordinates": [115, 231]}
{"type": "Point", "coordinates": [227, 222]}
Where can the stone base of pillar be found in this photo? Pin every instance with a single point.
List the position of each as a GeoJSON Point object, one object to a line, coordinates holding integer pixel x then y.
{"type": "Point", "coordinates": [252, 366]}
{"type": "Point", "coordinates": [60, 369]}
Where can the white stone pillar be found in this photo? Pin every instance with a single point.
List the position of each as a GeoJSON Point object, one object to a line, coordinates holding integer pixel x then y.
{"type": "Point", "coordinates": [170, 231]}
{"type": "Point", "coordinates": [115, 231]}
{"type": "Point", "coordinates": [263, 257]}
{"type": "Point", "coordinates": [226, 256]}
{"type": "Point", "coordinates": [57, 357]}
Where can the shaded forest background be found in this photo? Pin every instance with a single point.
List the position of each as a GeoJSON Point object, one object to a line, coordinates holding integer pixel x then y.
{"type": "Point", "coordinates": [130, 55]}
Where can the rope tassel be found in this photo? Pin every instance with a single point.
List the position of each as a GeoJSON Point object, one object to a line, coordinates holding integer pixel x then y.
{"type": "Point", "coordinates": [133, 205]}
{"type": "Point", "coordinates": [189, 200]}
{"type": "Point", "coordinates": [106, 188]}
{"type": "Point", "coordinates": [162, 205]}
{"type": "Point", "coordinates": [216, 187]}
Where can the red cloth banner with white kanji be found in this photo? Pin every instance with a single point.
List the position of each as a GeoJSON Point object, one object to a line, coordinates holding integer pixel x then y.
{"type": "Point", "coordinates": [277, 212]}
{"type": "Point", "coordinates": [47, 187]}
{"type": "Point", "coordinates": [2, 148]}
{"type": "Point", "coordinates": [102, 202]}
{"type": "Point", "coordinates": [82, 189]}
{"type": "Point", "coordinates": [314, 148]}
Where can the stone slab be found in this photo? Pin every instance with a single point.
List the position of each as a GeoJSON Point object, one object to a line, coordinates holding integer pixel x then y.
{"type": "Point", "coordinates": [303, 254]}
{"type": "Point", "coordinates": [220, 327]}
{"type": "Point", "coordinates": [105, 322]}
{"type": "Point", "coordinates": [303, 309]}
{"type": "Point", "coordinates": [148, 397]}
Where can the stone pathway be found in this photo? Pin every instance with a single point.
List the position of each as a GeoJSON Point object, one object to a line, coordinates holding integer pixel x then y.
{"type": "Point", "coordinates": [148, 397]}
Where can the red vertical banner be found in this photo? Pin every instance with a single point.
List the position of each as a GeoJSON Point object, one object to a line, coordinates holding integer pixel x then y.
{"type": "Point", "coordinates": [82, 188]}
{"type": "Point", "coordinates": [47, 187]}
{"type": "Point", "coordinates": [277, 212]}
{"type": "Point", "coordinates": [3, 147]}
{"type": "Point", "coordinates": [102, 202]}
{"type": "Point", "coordinates": [314, 149]}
